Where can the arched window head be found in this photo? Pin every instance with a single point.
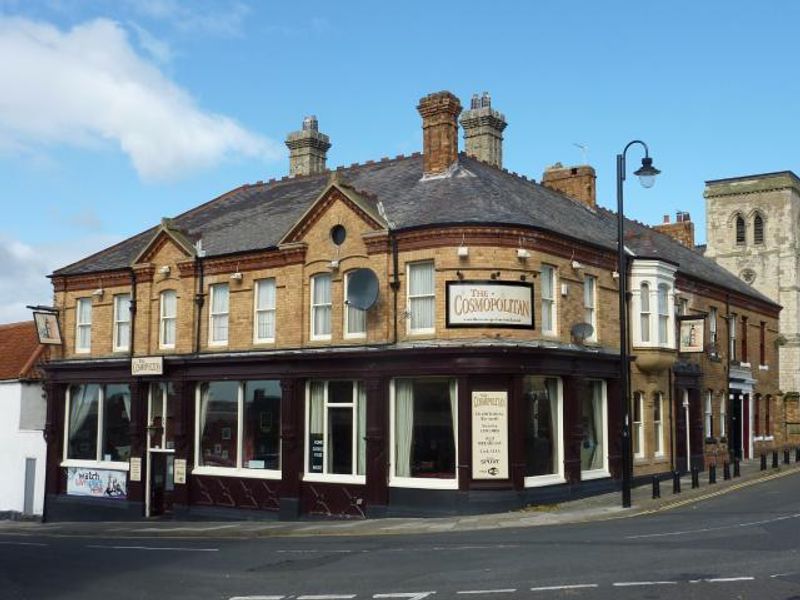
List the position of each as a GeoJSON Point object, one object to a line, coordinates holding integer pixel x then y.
{"type": "Point", "coordinates": [758, 229]}
{"type": "Point", "coordinates": [740, 230]}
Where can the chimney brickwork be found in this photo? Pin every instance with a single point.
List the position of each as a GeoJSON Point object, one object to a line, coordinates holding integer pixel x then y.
{"type": "Point", "coordinates": [308, 149]}
{"type": "Point", "coordinates": [576, 182]}
{"type": "Point", "coordinates": [483, 130]}
{"type": "Point", "coordinates": [439, 112]}
{"type": "Point", "coordinates": [682, 230]}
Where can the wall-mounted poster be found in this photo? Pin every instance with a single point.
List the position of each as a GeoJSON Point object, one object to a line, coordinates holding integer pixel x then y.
{"type": "Point", "coordinates": [179, 471]}
{"type": "Point", "coordinates": [490, 435]}
{"type": "Point", "coordinates": [692, 334]}
{"type": "Point", "coordinates": [97, 483]}
{"type": "Point", "coordinates": [47, 328]}
{"type": "Point", "coordinates": [507, 304]}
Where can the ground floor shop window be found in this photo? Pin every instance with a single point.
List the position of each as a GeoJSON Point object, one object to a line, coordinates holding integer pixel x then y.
{"type": "Point", "coordinates": [336, 419]}
{"type": "Point", "coordinates": [543, 430]}
{"type": "Point", "coordinates": [424, 417]}
{"type": "Point", "coordinates": [98, 423]}
{"type": "Point", "coordinates": [238, 428]}
{"type": "Point", "coordinates": [593, 424]}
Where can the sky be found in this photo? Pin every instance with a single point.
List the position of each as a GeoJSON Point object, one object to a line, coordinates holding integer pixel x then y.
{"type": "Point", "coordinates": [115, 113]}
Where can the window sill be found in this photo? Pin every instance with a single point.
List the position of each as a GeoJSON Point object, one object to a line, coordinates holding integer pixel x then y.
{"type": "Point", "coordinates": [542, 480]}
{"type": "Point", "coordinates": [320, 338]}
{"type": "Point", "coordinates": [217, 344]}
{"type": "Point", "coordinates": [745, 365]}
{"type": "Point", "coordinates": [85, 351]}
{"type": "Point", "coordinates": [420, 332]}
{"type": "Point", "coordinates": [120, 351]}
{"type": "Point", "coordinates": [763, 367]}
{"type": "Point", "coordinates": [332, 478]}
{"type": "Point", "coordinates": [423, 483]}
{"type": "Point", "coordinates": [94, 464]}
{"type": "Point", "coordinates": [355, 337]}
{"type": "Point", "coordinates": [167, 348]}
{"type": "Point", "coordinates": [233, 472]}
{"type": "Point", "coordinates": [596, 474]}
{"type": "Point", "coordinates": [264, 342]}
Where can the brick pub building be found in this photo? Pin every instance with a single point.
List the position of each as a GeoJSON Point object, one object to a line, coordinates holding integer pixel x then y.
{"type": "Point", "coordinates": [392, 338]}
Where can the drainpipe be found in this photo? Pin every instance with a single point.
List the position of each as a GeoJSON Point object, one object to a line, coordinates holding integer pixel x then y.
{"type": "Point", "coordinates": [395, 283]}
{"type": "Point", "coordinates": [688, 432]}
{"type": "Point", "coordinates": [726, 399]}
{"type": "Point", "coordinates": [199, 300]}
{"type": "Point", "coordinates": [671, 398]}
{"type": "Point", "coordinates": [132, 340]}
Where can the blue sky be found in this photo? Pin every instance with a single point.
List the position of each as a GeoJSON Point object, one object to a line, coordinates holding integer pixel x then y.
{"type": "Point", "coordinates": [114, 113]}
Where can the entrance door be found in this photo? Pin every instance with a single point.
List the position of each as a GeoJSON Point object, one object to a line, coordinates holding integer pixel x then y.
{"type": "Point", "coordinates": [162, 483]}
{"type": "Point", "coordinates": [735, 437]}
{"type": "Point", "coordinates": [160, 450]}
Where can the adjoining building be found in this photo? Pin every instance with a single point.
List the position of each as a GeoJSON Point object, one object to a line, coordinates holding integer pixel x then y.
{"type": "Point", "coordinates": [22, 444]}
{"type": "Point", "coordinates": [426, 334]}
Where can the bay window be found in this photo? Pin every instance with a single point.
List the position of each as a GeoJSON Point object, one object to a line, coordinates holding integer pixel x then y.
{"type": "Point", "coordinates": [355, 319]}
{"type": "Point", "coordinates": [218, 326]}
{"type": "Point", "coordinates": [321, 307]}
{"type": "Point", "coordinates": [264, 311]}
{"type": "Point", "coordinates": [423, 423]}
{"type": "Point", "coordinates": [168, 318]}
{"type": "Point", "coordinates": [336, 422]}
{"type": "Point", "coordinates": [594, 451]}
{"type": "Point", "coordinates": [548, 286]}
{"type": "Point", "coordinates": [543, 430]}
{"type": "Point", "coordinates": [663, 314]}
{"type": "Point", "coordinates": [590, 303]}
{"type": "Point", "coordinates": [644, 313]}
{"type": "Point", "coordinates": [122, 322]}
{"type": "Point", "coordinates": [421, 298]}
{"type": "Point", "coordinates": [238, 428]}
{"type": "Point", "coordinates": [98, 423]}
{"type": "Point", "coordinates": [83, 325]}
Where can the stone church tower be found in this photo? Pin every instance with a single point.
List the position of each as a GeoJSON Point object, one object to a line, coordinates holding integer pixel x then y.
{"type": "Point", "coordinates": [753, 230]}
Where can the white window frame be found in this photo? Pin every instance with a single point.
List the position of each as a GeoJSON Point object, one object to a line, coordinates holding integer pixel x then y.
{"type": "Point", "coordinates": [732, 336]}
{"type": "Point", "coordinates": [239, 470]}
{"type": "Point", "coordinates": [430, 483]}
{"type": "Point", "coordinates": [708, 416]}
{"type": "Point", "coordinates": [352, 335]}
{"type": "Point", "coordinates": [658, 425]}
{"type": "Point", "coordinates": [164, 320]}
{"type": "Point", "coordinates": [410, 297]}
{"type": "Point", "coordinates": [654, 273]}
{"type": "Point", "coordinates": [712, 326]}
{"type": "Point", "coordinates": [638, 426]}
{"type": "Point", "coordinates": [590, 310]}
{"type": "Point", "coordinates": [212, 314]}
{"type": "Point", "coordinates": [645, 312]}
{"type": "Point", "coordinates": [317, 306]}
{"type": "Point", "coordinates": [324, 477]}
{"type": "Point", "coordinates": [83, 324]}
{"type": "Point", "coordinates": [258, 310]}
{"type": "Point", "coordinates": [558, 477]}
{"type": "Point", "coordinates": [723, 415]}
{"type": "Point", "coordinates": [98, 462]}
{"type": "Point", "coordinates": [549, 303]}
{"type": "Point", "coordinates": [662, 307]}
{"type": "Point", "coordinates": [121, 320]}
{"type": "Point", "coordinates": [603, 471]}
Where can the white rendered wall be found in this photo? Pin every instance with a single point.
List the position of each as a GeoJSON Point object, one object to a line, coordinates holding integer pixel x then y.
{"type": "Point", "coordinates": [17, 445]}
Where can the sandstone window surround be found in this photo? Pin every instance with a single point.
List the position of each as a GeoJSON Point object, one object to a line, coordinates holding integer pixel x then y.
{"type": "Point", "coordinates": [218, 314]}
{"type": "Point", "coordinates": [549, 300]}
{"type": "Point", "coordinates": [421, 297]}
{"type": "Point", "coordinates": [638, 429]}
{"type": "Point", "coordinates": [355, 319]}
{"type": "Point", "coordinates": [321, 306]}
{"type": "Point", "coordinates": [83, 325]}
{"type": "Point", "coordinates": [590, 304]}
{"type": "Point", "coordinates": [122, 323]}
{"type": "Point", "coordinates": [758, 229]}
{"type": "Point", "coordinates": [652, 284]}
{"type": "Point", "coordinates": [741, 236]}
{"type": "Point", "coordinates": [168, 312]}
{"type": "Point", "coordinates": [658, 424]}
{"type": "Point", "coordinates": [264, 311]}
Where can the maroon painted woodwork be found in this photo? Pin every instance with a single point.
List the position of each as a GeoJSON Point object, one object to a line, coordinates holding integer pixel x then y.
{"type": "Point", "coordinates": [377, 493]}
{"type": "Point", "coordinates": [235, 492]}
{"type": "Point", "coordinates": [333, 500]}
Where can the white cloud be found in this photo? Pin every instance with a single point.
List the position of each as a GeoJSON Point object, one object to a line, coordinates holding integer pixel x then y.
{"type": "Point", "coordinates": [226, 19]}
{"type": "Point", "coordinates": [24, 270]}
{"type": "Point", "coordinates": [88, 85]}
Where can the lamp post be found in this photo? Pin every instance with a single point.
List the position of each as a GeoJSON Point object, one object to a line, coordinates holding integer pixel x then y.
{"type": "Point", "coordinates": [647, 177]}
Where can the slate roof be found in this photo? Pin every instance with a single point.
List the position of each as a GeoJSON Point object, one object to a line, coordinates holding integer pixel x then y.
{"type": "Point", "coordinates": [19, 350]}
{"type": "Point", "coordinates": [254, 217]}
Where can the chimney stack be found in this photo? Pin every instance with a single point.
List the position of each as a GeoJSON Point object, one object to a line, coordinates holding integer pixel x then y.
{"type": "Point", "coordinates": [575, 182]}
{"type": "Point", "coordinates": [308, 149]}
{"type": "Point", "coordinates": [483, 130]}
{"type": "Point", "coordinates": [439, 112]}
{"type": "Point", "coordinates": [682, 230]}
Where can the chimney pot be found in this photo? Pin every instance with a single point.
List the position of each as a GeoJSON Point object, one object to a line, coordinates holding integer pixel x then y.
{"type": "Point", "coordinates": [308, 149]}
{"type": "Point", "coordinates": [439, 112]}
{"type": "Point", "coordinates": [483, 130]}
{"type": "Point", "coordinates": [666, 219]}
{"type": "Point", "coordinates": [682, 230]}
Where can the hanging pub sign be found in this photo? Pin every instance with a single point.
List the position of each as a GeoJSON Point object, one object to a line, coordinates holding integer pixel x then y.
{"type": "Point", "coordinates": [691, 338]}
{"type": "Point", "coordinates": [47, 328]}
{"type": "Point", "coordinates": [490, 435]}
{"type": "Point", "coordinates": [506, 304]}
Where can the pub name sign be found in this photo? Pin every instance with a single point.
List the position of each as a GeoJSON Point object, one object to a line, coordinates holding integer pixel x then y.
{"type": "Point", "coordinates": [507, 304]}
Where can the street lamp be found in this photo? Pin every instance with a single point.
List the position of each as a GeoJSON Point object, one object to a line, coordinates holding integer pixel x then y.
{"type": "Point", "coordinates": [647, 177]}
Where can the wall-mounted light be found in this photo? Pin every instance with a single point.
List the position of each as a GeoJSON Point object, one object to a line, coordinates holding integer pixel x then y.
{"type": "Point", "coordinates": [463, 252]}
{"type": "Point", "coordinates": [459, 274]}
{"type": "Point", "coordinates": [334, 264]}
{"type": "Point", "coordinates": [98, 293]}
{"type": "Point", "coordinates": [164, 270]}
{"type": "Point", "coordinates": [237, 276]}
{"type": "Point", "coordinates": [577, 266]}
{"type": "Point", "coordinates": [495, 275]}
{"type": "Point", "coordinates": [523, 254]}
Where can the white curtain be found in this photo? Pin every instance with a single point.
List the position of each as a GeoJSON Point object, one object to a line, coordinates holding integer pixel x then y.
{"type": "Point", "coordinates": [322, 305]}
{"type": "Point", "coordinates": [82, 397]}
{"type": "Point", "coordinates": [362, 429]}
{"type": "Point", "coordinates": [266, 309]}
{"type": "Point", "coordinates": [201, 418]}
{"type": "Point", "coordinates": [403, 425]}
{"type": "Point", "coordinates": [552, 396]}
{"type": "Point", "coordinates": [316, 417]}
{"type": "Point", "coordinates": [421, 292]}
{"type": "Point", "coordinates": [453, 406]}
{"type": "Point", "coordinates": [599, 425]}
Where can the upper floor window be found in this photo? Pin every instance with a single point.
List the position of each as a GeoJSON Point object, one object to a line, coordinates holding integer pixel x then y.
{"type": "Point", "coordinates": [723, 415]}
{"type": "Point", "coordinates": [590, 304]}
{"type": "Point", "coordinates": [644, 317]}
{"type": "Point", "coordinates": [638, 431]}
{"type": "Point", "coordinates": [264, 311]}
{"type": "Point", "coordinates": [740, 233]}
{"type": "Point", "coordinates": [712, 326]}
{"type": "Point", "coordinates": [758, 229]}
{"type": "Point", "coordinates": [663, 313]}
{"type": "Point", "coordinates": [421, 297]}
{"type": "Point", "coordinates": [548, 300]}
{"type": "Point", "coordinates": [683, 307]}
{"type": "Point", "coordinates": [122, 322]}
{"type": "Point", "coordinates": [83, 325]}
{"type": "Point", "coordinates": [732, 336]}
{"type": "Point", "coordinates": [355, 319]}
{"type": "Point", "coordinates": [709, 415]}
{"type": "Point", "coordinates": [168, 318]}
{"type": "Point", "coordinates": [744, 340]}
{"type": "Point", "coordinates": [218, 326]}
{"type": "Point", "coordinates": [321, 307]}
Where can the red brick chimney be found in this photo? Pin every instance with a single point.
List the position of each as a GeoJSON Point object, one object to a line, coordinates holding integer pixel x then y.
{"type": "Point", "coordinates": [439, 113]}
{"type": "Point", "coordinates": [682, 230]}
{"type": "Point", "coordinates": [575, 182]}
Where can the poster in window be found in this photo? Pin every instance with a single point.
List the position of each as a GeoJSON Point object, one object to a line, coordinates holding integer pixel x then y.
{"type": "Point", "coordinates": [97, 483]}
{"type": "Point", "coordinates": [692, 334]}
{"type": "Point", "coordinates": [47, 328]}
{"type": "Point", "coordinates": [490, 435]}
{"type": "Point", "coordinates": [316, 453]}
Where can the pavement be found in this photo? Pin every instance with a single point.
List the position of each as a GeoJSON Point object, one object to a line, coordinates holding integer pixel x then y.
{"type": "Point", "coordinates": [595, 508]}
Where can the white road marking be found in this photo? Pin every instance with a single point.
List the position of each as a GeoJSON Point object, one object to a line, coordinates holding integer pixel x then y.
{"type": "Point", "coordinates": [708, 529]}
{"type": "Point", "coordinates": [781, 575]}
{"type": "Point", "coordinates": [255, 598]}
{"type": "Point", "coordinates": [408, 596]}
{"type": "Point", "coordinates": [728, 579]}
{"type": "Point", "coordinates": [327, 597]}
{"type": "Point", "coordinates": [574, 586]}
{"type": "Point", "coordinates": [154, 548]}
{"type": "Point", "coordinates": [504, 591]}
{"type": "Point", "coordinates": [318, 551]}
{"type": "Point", "coordinates": [23, 544]}
{"type": "Point", "coordinates": [642, 583]}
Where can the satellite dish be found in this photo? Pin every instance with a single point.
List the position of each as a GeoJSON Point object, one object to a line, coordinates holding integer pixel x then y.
{"type": "Point", "coordinates": [362, 289]}
{"type": "Point", "coordinates": [581, 331]}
